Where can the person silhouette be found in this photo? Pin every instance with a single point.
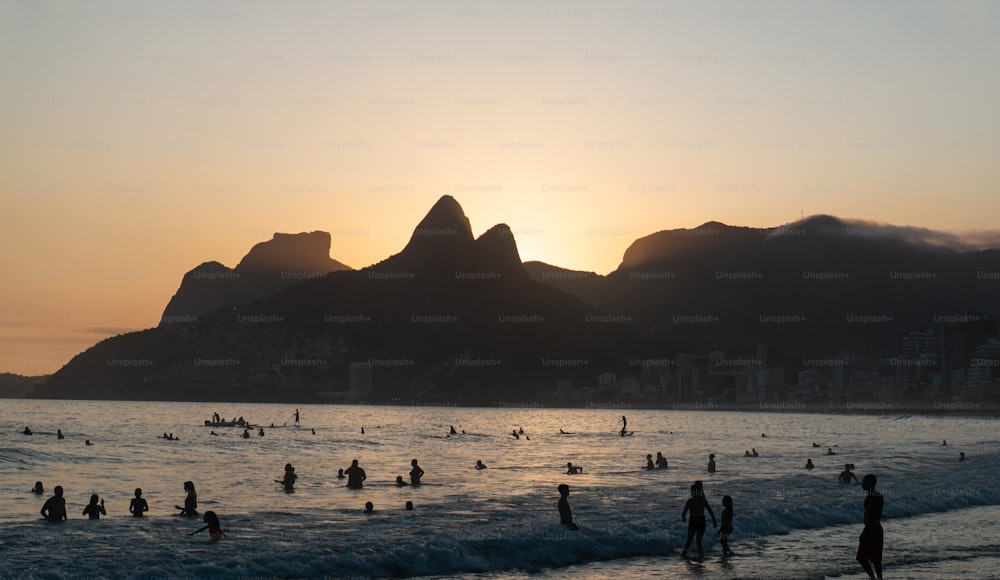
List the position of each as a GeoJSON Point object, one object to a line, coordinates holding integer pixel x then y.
{"type": "Point", "coordinates": [624, 430]}
{"type": "Point", "coordinates": [59, 434]}
{"type": "Point", "coordinates": [829, 451]}
{"type": "Point", "coordinates": [289, 480]}
{"type": "Point", "coordinates": [54, 508]}
{"type": "Point", "coordinates": [26, 431]}
{"type": "Point", "coordinates": [355, 476]}
{"type": "Point", "coordinates": [93, 509]}
{"type": "Point", "coordinates": [369, 507]}
{"type": "Point", "coordinates": [138, 505]}
{"type": "Point", "coordinates": [479, 464]}
{"type": "Point", "coordinates": [340, 474]}
{"type": "Point", "coordinates": [190, 507]}
{"type": "Point", "coordinates": [809, 464]}
{"type": "Point", "coordinates": [261, 432]}
{"type": "Point", "coordinates": [870, 542]}
{"type": "Point", "coordinates": [296, 417]}
{"type": "Point", "coordinates": [572, 470]}
{"type": "Point", "coordinates": [400, 482]}
{"type": "Point", "coordinates": [961, 455]}
{"type": "Point", "coordinates": [944, 442]}
{"type": "Point", "coordinates": [565, 513]}
{"type": "Point", "coordinates": [726, 526]}
{"type": "Point", "coordinates": [409, 506]}
{"type": "Point", "coordinates": [212, 525]}
{"type": "Point", "coordinates": [711, 463]}
{"type": "Point", "coordinates": [754, 452]}
{"type": "Point", "coordinates": [416, 473]}
{"type": "Point", "coordinates": [649, 461]}
{"type": "Point", "coordinates": [38, 489]}
{"type": "Point", "coordinates": [847, 475]}
{"type": "Point", "coordinates": [696, 506]}
{"type": "Point", "coordinates": [661, 461]}
{"type": "Point", "coordinates": [453, 432]}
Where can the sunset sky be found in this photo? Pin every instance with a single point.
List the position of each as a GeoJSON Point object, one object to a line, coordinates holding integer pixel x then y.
{"type": "Point", "coordinates": [140, 139]}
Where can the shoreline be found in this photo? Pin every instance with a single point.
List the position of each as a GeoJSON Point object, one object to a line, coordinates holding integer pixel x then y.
{"type": "Point", "coordinates": [969, 410]}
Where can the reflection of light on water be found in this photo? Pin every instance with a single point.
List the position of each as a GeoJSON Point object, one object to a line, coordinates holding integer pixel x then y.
{"type": "Point", "coordinates": [499, 517]}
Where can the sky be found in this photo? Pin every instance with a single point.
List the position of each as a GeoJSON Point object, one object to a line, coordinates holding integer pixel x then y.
{"type": "Point", "coordinates": [140, 139]}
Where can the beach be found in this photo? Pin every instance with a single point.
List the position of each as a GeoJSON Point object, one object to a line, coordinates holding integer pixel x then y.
{"type": "Point", "coordinates": [500, 522]}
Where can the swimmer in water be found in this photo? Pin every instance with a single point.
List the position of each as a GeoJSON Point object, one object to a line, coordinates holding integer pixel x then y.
{"type": "Point", "coordinates": [649, 461]}
{"type": "Point", "coordinates": [661, 461]}
{"type": "Point", "coordinates": [54, 508]}
{"type": "Point", "coordinates": [212, 525]}
{"type": "Point", "coordinates": [711, 464]}
{"type": "Point", "coordinates": [190, 501]}
{"type": "Point", "coordinates": [416, 473]}
{"type": "Point", "coordinates": [400, 482]}
{"type": "Point", "coordinates": [479, 464]}
{"type": "Point", "coordinates": [138, 505]}
{"type": "Point", "coordinates": [409, 506]}
{"type": "Point", "coordinates": [93, 509]}
{"type": "Point", "coordinates": [572, 470]}
{"type": "Point", "coordinates": [289, 480]}
{"type": "Point", "coordinates": [369, 507]}
{"type": "Point", "coordinates": [26, 431]}
{"type": "Point", "coordinates": [565, 513]}
{"type": "Point", "coordinates": [355, 476]}
{"type": "Point", "coordinates": [340, 474]}
{"type": "Point", "coordinates": [809, 464]}
{"type": "Point", "coordinates": [38, 489]}
{"type": "Point", "coordinates": [59, 434]}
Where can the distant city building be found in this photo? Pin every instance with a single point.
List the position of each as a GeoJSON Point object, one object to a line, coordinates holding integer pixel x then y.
{"type": "Point", "coordinates": [360, 382]}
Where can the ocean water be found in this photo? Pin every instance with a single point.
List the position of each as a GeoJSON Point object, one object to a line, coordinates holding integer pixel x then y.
{"type": "Point", "coordinates": [940, 515]}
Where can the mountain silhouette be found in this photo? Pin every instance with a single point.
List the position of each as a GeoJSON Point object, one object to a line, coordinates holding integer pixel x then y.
{"type": "Point", "coordinates": [817, 287]}
{"type": "Point", "coordinates": [449, 317]}
{"type": "Point", "coordinates": [270, 266]}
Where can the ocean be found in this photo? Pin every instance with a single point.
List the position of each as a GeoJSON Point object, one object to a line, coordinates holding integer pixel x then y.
{"type": "Point", "coordinates": [940, 516]}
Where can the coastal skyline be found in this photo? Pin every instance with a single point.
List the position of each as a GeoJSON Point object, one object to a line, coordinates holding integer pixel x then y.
{"type": "Point", "coordinates": [142, 140]}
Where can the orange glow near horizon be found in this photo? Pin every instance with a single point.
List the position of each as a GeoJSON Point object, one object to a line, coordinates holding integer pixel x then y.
{"type": "Point", "coordinates": [130, 157]}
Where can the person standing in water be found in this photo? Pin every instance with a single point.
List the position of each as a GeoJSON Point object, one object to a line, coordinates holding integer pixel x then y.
{"type": "Point", "coordinates": [138, 505]}
{"type": "Point", "coordinates": [296, 417]}
{"type": "Point", "coordinates": [661, 461]}
{"type": "Point", "coordinates": [59, 434]}
{"type": "Point", "coordinates": [416, 473]}
{"type": "Point", "coordinates": [565, 513]}
{"type": "Point", "coordinates": [355, 476]}
{"type": "Point", "coordinates": [727, 525]}
{"type": "Point", "coordinates": [624, 430]}
{"type": "Point", "coordinates": [38, 489]}
{"type": "Point", "coordinates": [290, 477]}
{"type": "Point", "coordinates": [93, 509]}
{"type": "Point", "coordinates": [190, 501]}
{"type": "Point", "coordinates": [573, 469]}
{"type": "Point", "coordinates": [54, 508]}
{"type": "Point", "coordinates": [870, 542]}
{"type": "Point", "coordinates": [711, 463]}
{"type": "Point", "coordinates": [696, 505]}
{"type": "Point", "coordinates": [649, 461]}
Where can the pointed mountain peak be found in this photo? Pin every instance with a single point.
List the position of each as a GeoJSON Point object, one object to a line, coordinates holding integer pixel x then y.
{"type": "Point", "coordinates": [445, 226]}
{"type": "Point", "coordinates": [498, 248]}
{"type": "Point", "coordinates": [446, 218]}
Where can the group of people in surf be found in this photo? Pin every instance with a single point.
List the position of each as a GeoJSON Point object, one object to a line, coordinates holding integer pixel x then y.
{"type": "Point", "coordinates": [660, 463]}
{"type": "Point", "coordinates": [59, 434]}
{"type": "Point", "coordinates": [54, 508]}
